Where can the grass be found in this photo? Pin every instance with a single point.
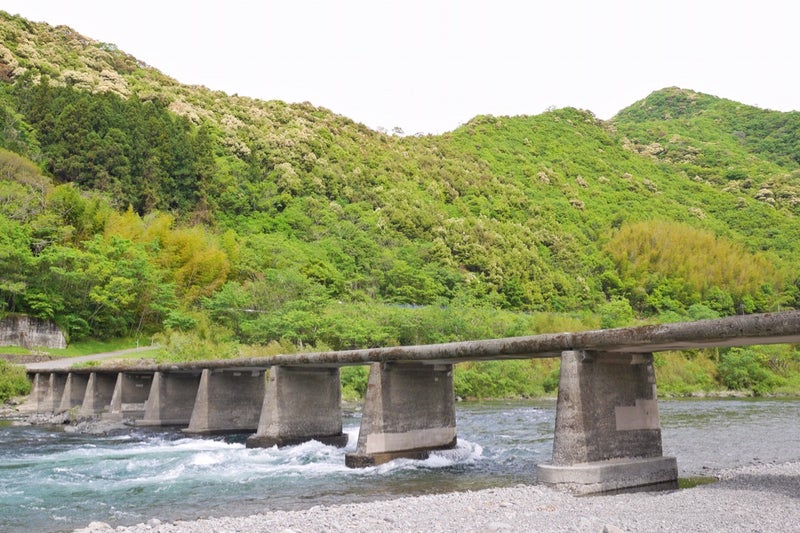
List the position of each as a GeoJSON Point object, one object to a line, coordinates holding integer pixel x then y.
{"type": "Point", "coordinates": [84, 347]}
{"type": "Point", "coordinates": [691, 482]}
{"type": "Point", "coordinates": [151, 355]}
{"type": "Point", "coordinates": [14, 350]}
{"type": "Point", "coordinates": [93, 346]}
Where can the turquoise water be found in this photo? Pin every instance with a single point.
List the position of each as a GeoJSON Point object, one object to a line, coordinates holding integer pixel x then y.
{"type": "Point", "coordinates": [52, 480]}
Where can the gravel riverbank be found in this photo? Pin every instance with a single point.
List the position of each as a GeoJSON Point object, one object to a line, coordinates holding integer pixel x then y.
{"type": "Point", "coordinates": [764, 498]}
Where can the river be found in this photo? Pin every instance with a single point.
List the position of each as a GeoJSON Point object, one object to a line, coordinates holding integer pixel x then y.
{"type": "Point", "coordinates": [56, 480]}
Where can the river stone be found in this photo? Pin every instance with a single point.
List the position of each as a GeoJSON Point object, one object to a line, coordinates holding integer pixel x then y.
{"type": "Point", "coordinates": [94, 527]}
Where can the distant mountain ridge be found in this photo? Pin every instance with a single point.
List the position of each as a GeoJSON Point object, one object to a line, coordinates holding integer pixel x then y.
{"type": "Point", "coordinates": [305, 210]}
{"type": "Point", "coordinates": [694, 131]}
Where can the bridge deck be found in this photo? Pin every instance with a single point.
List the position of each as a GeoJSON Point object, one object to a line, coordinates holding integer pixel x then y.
{"type": "Point", "coordinates": [771, 328]}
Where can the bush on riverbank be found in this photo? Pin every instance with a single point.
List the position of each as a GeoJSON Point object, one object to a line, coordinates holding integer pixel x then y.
{"type": "Point", "coordinates": [753, 370]}
{"type": "Point", "coordinates": [478, 380]}
{"type": "Point", "coordinates": [530, 378]}
{"type": "Point", "coordinates": [13, 381]}
{"type": "Point", "coordinates": [686, 373]}
{"type": "Point", "coordinates": [354, 382]}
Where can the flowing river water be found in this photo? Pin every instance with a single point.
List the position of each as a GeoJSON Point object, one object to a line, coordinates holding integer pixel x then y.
{"type": "Point", "coordinates": [57, 480]}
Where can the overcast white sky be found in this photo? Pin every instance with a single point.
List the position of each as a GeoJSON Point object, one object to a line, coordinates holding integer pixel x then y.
{"type": "Point", "coordinates": [431, 65]}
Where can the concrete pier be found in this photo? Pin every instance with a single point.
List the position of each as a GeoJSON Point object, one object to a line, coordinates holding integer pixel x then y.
{"type": "Point", "coordinates": [227, 402]}
{"type": "Point", "coordinates": [607, 435]}
{"type": "Point", "coordinates": [39, 387]}
{"type": "Point", "coordinates": [130, 394]}
{"type": "Point", "coordinates": [74, 391]}
{"type": "Point", "coordinates": [52, 397]}
{"type": "Point", "coordinates": [99, 393]}
{"type": "Point", "coordinates": [171, 400]}
{"type": "Point", "coordinates": [607, 431]}
{"type": "Point", "coordinates": [300, 404]}
{"type": "Point", "coordinates": [409, 410]}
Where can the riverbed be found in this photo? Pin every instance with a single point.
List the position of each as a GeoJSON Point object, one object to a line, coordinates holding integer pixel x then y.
{"type": "Point", "coordinates": [57, 480]}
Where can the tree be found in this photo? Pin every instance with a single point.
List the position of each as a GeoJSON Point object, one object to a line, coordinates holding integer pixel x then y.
{"type": "Point", "coordinates": [616, 313]}
{"type": "Point", "coordinates": [16, 263]}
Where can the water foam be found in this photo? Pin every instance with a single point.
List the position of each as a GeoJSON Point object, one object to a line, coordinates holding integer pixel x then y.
{"type": "Point", "coordinates": [131, 478]}
{"type": "Point", "coordinates": [206, 459]}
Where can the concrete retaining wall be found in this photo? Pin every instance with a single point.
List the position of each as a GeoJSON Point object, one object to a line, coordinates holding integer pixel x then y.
{"type": "Point", "coordinates": [29, 332]}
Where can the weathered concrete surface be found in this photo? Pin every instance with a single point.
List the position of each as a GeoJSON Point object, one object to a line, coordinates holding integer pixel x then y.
{"type": "Point", "coordinates": [130, 394]}
{"type": "Point", "coordinates": [55, 390]}
{"type": "Point", "coordinates": [74, 391]}
{"type": "Point", "coordinates": [227, 402]}
{"type": "Point", "coordinates": [30, 332]}
{"type": "Point", "coordinates": [743, 330]}
{"type": "Point", "coordinates": [607, 410]}
{"type": "Point", "coordinates": [409, 410]}
{"type": "Point", "coordinates": [300, 404]}
{"type": "Point", "coordinates": [171, 400]}
{"type": "Point", "coordinates": [617, 475]}
{"type": "Point", "coordinates": [35, 401]}
{"type": "Point", "coordinates": [607, 434]}
{"type": "Point", "coordinates": [99, 394]}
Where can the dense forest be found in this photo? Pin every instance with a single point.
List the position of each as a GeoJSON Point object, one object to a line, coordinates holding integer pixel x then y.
{"type": "Point", "coordinates": [134, 206]}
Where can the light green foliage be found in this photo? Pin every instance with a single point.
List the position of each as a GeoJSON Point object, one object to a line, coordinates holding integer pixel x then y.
{"type": "Point", "coordinates": [15, 263]}
{"type": "Point", "coordinates": [204, 340]}
{"type": "Point", "coordinates": [616, 313]}
{"type": "Point", "coordinates": [506, 379]}
{"type": "Point", "coordinates": [354, 382]}
{"type": "Point", "coordinates": [131, 204]}
{"type": "Point", "coordinates": [757, 370]}
{"type": "Point", "coordinates": [670, 266]}
{"type": "Point", "coordinates": [13, 381]}
{"type": "Point", "coordinates": [692, 482]}
{"type": "Point", "coordinates": [683, 374]}
{"type": "Point", "coordinates": [749, 369]}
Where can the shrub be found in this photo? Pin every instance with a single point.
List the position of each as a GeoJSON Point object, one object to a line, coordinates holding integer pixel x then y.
{"type": "Point", "coordinates": [616, 313]}
{"type": "Point", "coordinates": [205, 341]}
{"type": "Point", "coordinates": [13, 381]}
{"type": "Point", "coordinates": [354, 382]}
{"type": "Point", "coordinates": [506, 379]}
{"type": "Point", "coordinates": [745, 369]}
{"type": "Point", "coordinates": [681, 374]}
{"type": "Point", "coordinates": [553, 378]}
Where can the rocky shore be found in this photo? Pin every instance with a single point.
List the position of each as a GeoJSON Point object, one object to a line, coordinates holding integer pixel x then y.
{"type": "Point", "coordinates": [764, 497]}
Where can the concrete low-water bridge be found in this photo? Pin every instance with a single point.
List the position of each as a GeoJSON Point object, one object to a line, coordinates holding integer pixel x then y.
{"type": "Point", "coordinates": [607, 429]}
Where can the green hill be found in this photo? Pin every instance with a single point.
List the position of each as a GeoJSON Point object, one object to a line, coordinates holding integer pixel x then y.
{"type": "Point", "coordinates": [133, 205]}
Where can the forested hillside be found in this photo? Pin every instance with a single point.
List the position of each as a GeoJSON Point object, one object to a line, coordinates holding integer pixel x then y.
{"type": "Point", "coordinates": [132, 205]}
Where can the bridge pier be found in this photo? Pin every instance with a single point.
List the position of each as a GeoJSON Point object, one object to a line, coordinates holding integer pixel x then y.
{"type": "Point", "coordinates": [130, 394]}
{"type": "Point", "coordinates": [39, 388]}
{"type": "Point", "coordinates": [98, 395]}
{"type": "Point", "coordinates": [171, 399]}
{"type": "Point", "coordinates": [74, 391]}
{"type": "Point", "coordinates": [409, 410]}
{"type": "Point", "coordinates": [607, 432]}
{"type": "Point", "coordinates": [300, 404]}
{"type": "Point", "coordinates": [52, 397]}
{"type": "Point", "coordinates": [227, 402]}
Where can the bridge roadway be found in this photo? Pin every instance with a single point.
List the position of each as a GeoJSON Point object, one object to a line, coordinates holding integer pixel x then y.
{"type": "Point", "coordinates": [607, 431]}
